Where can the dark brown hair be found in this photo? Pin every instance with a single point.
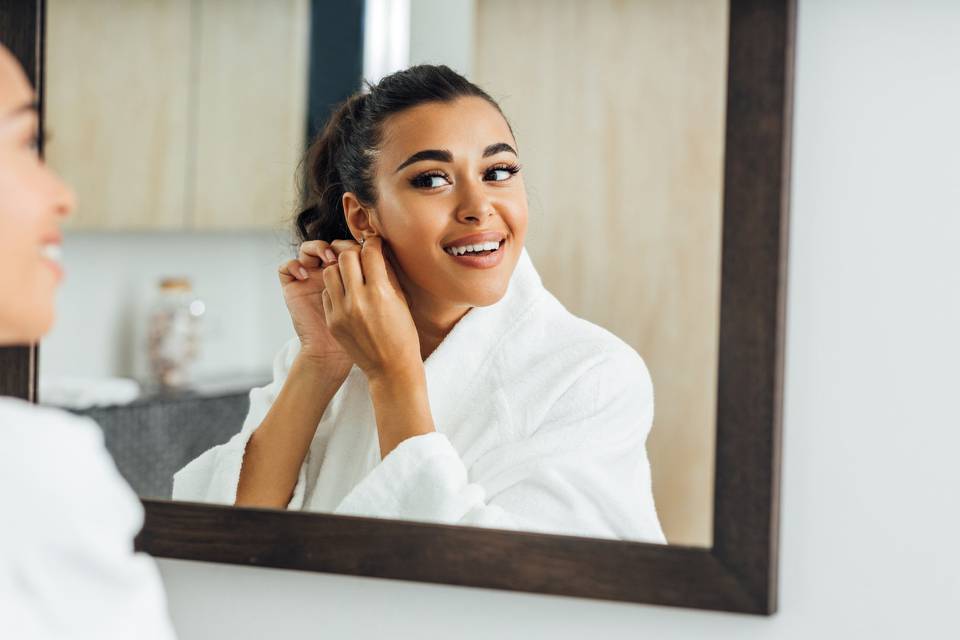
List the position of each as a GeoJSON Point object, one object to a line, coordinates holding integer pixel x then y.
{"type": "Point", "coordinates": [340, 159]}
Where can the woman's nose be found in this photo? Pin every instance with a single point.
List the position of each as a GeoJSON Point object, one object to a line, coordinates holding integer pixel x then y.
{"type": "Point", "coordinates": [64, 198]}
{"type": "Point", "coordinates": [476, 204]}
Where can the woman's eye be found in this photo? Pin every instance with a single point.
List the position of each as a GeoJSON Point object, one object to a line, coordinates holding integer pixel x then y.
{"type": "Point", "coordinates": [499, 174]}
{"type": "Point", "coordinates": [429, 181]}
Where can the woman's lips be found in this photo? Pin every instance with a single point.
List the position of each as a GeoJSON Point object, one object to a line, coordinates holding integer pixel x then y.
{"type": "Point", "coordinates": [50, 255]}
{"type": "Point", "coordinates": [487, 261]}
{"type": "Point", "coordinates": [55, 267]}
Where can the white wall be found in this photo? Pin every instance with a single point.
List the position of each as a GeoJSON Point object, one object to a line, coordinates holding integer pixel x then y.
{"type": "Point", "coordinates": [870, 519]}
{"type": "Point", "coordinates": [442, 32]}
{"type": "Point", "coordinates": [111, 279]}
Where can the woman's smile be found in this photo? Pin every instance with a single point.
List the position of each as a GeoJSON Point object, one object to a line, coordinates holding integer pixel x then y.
{"type": "Point", "coordinates": [478, 250]}
{"type": "Point", "coordinates": [50, 255]}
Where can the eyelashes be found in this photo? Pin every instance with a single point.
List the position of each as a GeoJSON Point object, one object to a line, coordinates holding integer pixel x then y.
{"type": "Point", "coordinates": [436, 178]}
{"type": "Point", "coordinates": [426, 180]}
{"type": "Point", "coordinates": [511, 168]}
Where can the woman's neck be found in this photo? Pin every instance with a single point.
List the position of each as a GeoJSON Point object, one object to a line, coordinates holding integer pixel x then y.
{"type": "Point", "coordinates": [434, 322]}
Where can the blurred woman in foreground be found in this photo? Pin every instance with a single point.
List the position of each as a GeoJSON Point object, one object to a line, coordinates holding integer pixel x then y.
{"type": "Point", "coordinates": [67, 565]}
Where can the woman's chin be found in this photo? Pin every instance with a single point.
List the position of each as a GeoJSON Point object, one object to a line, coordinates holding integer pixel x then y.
{"type": "Point", "coordinates": [486, 297]}
{"type": "Point", "coordinates": [11, 336]}
{"type": "Point", "coordinates": [29, 324]}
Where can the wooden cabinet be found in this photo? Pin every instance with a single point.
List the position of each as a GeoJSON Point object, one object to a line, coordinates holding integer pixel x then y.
{"type": "Point", "coordinates": [251, 111]}
{"type": "Point", "coordinates": [118, 110]}
{"type": "Point", "coordinates": [178, 114]}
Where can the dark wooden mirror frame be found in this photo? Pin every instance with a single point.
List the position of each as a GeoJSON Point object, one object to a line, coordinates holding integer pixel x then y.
{"type": "Point", "coordinates": [739, 573]}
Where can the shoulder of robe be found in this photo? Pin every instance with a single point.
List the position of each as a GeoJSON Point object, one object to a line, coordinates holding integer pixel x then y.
{"type": "Point", "coordinates": [610, 404]}
{"type": "Point", "coordinates": [613, 373]}
{"type": "Point", "coordinates": [552, 337]}
{"type": "Point", "coordinates": [597, 382]}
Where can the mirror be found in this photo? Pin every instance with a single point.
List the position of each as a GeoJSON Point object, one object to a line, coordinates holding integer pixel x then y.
{"type": "Point", "coordinates": [182, 125]}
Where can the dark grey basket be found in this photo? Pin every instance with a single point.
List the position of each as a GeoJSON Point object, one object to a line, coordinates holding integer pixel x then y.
{"type": "Point", "coordinates": [155, 437]}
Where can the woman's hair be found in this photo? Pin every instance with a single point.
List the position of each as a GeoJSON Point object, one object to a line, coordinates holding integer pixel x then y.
{"type": "Point", "coordinates": [340, 159]}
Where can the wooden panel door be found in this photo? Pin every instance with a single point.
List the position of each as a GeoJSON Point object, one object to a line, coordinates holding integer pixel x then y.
{"type": "Point", "coordinates": [251, 112]}
{"type": "Point", "coordinates": [117, 106]}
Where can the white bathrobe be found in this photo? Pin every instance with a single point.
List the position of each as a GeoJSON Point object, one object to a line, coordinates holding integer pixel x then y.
{"type": "Point", "coordinates": [541, 421]}
{"type": "Point", "coordinates": [67, 564]}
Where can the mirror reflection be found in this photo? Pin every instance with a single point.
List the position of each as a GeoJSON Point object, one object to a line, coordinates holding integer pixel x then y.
{"type": "Point", "coordinates": [448, 294]}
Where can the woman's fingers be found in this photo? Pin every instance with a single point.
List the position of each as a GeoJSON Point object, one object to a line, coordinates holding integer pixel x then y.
{"type": "Point", "coordinates": [372, 259]}
{"type": "Point", "coordinates": [349, 274]}
{"type": "Point", "coordinates": [293, 270]}
{"type": "Point", "coordinates": [339, 246]}
{"type": "Point", "coordinates": [318, 253]}
{"type": "Point", "coordinates": [311, 255]}
{"type": "Point", "coordinates": [348, 261]}
{"type": "Point", "coordinates": [327, 303]}
{"type": "Point", "coordinates": [333, 284]}
{"type": "Point", "coordinates": [314, 253]}
{"type": "Point", "coordinates": [350, 270]}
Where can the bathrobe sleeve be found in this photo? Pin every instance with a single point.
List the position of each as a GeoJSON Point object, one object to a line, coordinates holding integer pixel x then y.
{"type": "Point", "coordinates": [583, 471]}
{"type": "Point", "coordinates": [214, 475]}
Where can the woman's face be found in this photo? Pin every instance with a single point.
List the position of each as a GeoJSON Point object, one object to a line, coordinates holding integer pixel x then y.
{"type": "Point", "coordinates": [446, 171]}
{"type": "Point", "coordinates": [32, 203]}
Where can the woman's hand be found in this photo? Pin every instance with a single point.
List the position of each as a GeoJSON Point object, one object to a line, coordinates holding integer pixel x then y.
{"type": "Point", "coordinates": [303, 285]}
{"type": "Point", "coordinates": [367, 312]}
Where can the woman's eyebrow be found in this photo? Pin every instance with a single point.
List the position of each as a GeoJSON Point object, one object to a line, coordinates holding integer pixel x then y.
{"type": "Point", "coordinates": [442, 155]}
{"type": "Point", "coordinates": [496, 148]}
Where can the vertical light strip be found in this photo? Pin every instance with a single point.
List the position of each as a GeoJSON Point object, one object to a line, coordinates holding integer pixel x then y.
{"type": "Point", "coordinates": [386, 38]}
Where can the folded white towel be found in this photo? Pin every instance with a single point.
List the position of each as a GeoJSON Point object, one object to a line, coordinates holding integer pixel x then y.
{"type": "Point", "coordinates": [541, 418]}
{"type": "Point", "coordinates": [82, 393]}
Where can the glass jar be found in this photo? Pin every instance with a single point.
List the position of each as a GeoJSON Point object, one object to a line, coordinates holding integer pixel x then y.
{"type": "Point", "coordinates": [173, 333]}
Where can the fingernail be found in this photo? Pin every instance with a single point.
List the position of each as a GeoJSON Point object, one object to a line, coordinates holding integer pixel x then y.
{"type": "Point", "coordinates": [330, 255]}
{"type": "Point", "coordinates": [304, 274]}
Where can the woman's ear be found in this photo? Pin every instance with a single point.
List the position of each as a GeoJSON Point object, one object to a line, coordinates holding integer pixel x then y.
{"type": "Point", "coordinates": [360, 219]}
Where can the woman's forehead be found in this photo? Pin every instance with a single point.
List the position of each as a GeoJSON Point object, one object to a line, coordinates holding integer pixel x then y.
{"type": "Point", "coordinates": [463, 126]}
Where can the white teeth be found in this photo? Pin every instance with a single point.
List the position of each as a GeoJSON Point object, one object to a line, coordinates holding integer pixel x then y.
{"type": "Point", "coordinates": [51, 252]}
{"type": "Point", "coordinates": [483, 246]}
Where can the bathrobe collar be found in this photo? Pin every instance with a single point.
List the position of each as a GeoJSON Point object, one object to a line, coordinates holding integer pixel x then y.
{"type": "Point", "coordinates": [453, 365]}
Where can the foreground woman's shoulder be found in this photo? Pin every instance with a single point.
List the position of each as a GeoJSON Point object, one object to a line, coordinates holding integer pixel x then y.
{"type": "Point", "coordinates": [24, 423]}
{"type": "Point", "coordinates": [56, 452]}
{"type": "Point", "coordinates": [66, 501]}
